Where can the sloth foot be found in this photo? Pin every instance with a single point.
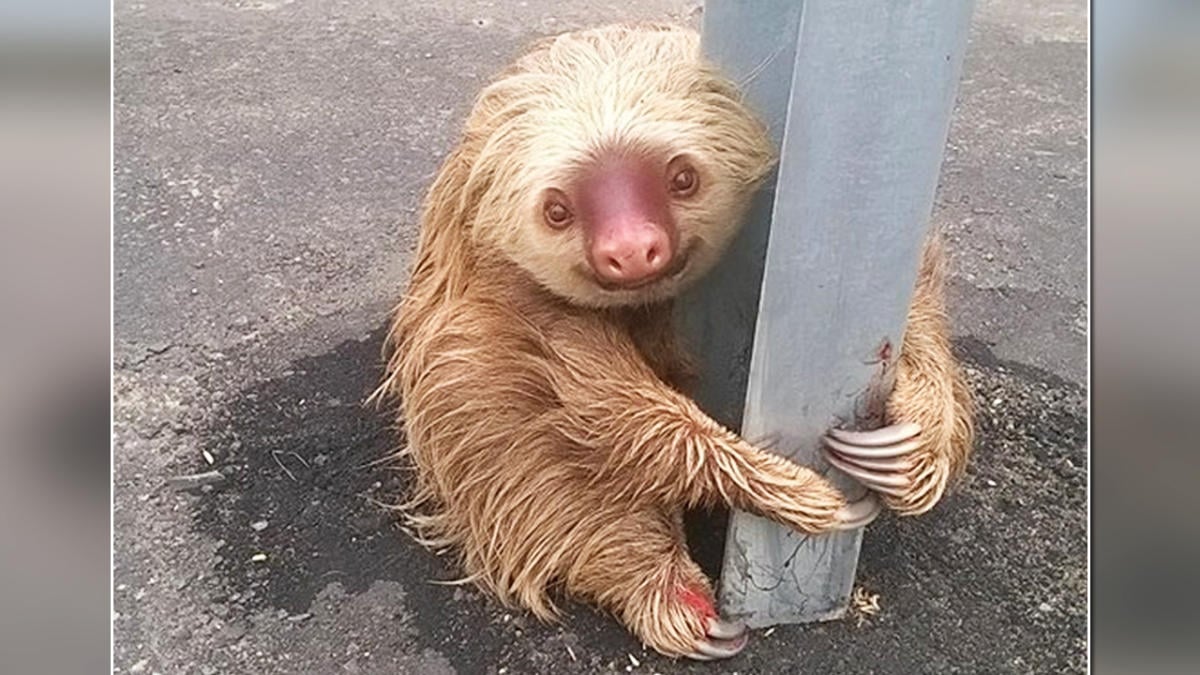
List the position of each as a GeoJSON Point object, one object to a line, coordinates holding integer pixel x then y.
{"type": "Point", "coordinates": [722, 639]}
{"type": "Point", "coordinates": [880, 459]}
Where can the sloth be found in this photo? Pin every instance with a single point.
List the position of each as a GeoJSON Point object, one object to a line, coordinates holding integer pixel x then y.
{"type": "Point", "coordinates": [541, 384]}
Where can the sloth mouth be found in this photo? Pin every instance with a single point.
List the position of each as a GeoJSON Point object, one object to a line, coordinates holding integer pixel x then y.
{"type": "Point", "coordinates": [672, 273]}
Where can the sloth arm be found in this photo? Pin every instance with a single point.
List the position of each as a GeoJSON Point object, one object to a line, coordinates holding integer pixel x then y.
{"type": "Point", "coordinates": [925, 447]}
{"type": "Point", "coordinates": [653, 443]}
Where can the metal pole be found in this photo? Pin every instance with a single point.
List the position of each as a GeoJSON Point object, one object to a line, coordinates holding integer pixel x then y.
{"type": "Point", "coordinates": [789, 329]}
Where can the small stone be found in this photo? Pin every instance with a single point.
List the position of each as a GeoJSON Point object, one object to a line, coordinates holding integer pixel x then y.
{"type": "Point", "coordinates": [159, 347]}
{"type": "Point", "coordinates": [298, 618]}
{"type": "Point", "coordinates": [207, 670]}
{"type": "Point", "coordinates": [367, 522]}
{"type": "Point", "coordinates": [194, 291]}
{"type": "Point", "coordinates": [140, 666]}
{"type": "Point", "coordinates": [1064, 468]}
{"type": "Point", "coordinates": [1045, 607]}
{"type": "Point", "coordinates": [195, 480]}
{"type": "Point", "coordinates": [234, 631]}
{"type": "Point", "coordinates": [259, 525]}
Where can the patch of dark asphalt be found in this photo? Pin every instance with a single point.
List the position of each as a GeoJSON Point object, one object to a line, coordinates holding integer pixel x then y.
{"type": "Point", "coordinates": [302, 454]}
{"type": "Point", "coordinates": [994, 580]}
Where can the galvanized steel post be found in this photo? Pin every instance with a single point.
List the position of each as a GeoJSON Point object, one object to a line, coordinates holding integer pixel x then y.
{"type": "Point", "coordinates": [788, 328]}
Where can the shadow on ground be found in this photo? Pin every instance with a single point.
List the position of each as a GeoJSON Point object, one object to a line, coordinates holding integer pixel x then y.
{"type": "Point", "coordinates": [307, 473]}
{"type": "Point", "coordinates": [991, 581]}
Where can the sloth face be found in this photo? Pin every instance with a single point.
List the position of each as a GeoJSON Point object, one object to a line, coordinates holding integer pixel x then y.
{"type": "Point", "coordinates": [619, 165]}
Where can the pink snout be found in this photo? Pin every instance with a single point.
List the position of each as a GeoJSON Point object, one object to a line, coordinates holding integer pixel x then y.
{"type": "Point", "coordinates": [631, 255]}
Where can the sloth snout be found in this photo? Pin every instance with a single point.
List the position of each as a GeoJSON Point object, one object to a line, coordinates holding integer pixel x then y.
{"type": "Point", "coordinates": [638, 255]}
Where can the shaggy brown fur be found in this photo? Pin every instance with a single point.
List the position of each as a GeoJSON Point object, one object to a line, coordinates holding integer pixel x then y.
{"type": "Point", "coordinates": [554, 449]}
{"type": "Point", "coordinates": [931, 391]}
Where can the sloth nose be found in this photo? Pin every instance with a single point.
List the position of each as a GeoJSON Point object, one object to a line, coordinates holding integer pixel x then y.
{"type": "Point", "coordinates": [637, 255]}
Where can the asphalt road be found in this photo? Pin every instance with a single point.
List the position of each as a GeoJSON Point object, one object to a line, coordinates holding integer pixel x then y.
{"type": "Point", "coordinates": [269, 160]}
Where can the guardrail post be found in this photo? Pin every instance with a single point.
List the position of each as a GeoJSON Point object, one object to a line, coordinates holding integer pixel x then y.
{"type": "Point", "coordinates": [788, 328]}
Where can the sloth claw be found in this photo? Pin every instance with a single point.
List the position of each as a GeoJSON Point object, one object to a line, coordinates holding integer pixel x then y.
{"type": "Point", "coordinates": [857, 514]}
{"type": "Point", "coordinates": [889, 435]}
{"type": "Point", "coordinates": [873, 479]}
{"type": "Point", "coordinates": [878, 459]}
{"type": "Point", "coordinates": [899, 449]}
{"type": "Point", "coordinates": [721, 639]}
{"type": "Point", "coordinates": [725, 630]}
{"type": "Point", "coordinates": [714, 647]}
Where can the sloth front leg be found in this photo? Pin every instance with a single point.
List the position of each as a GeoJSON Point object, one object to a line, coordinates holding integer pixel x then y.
{"type": "Point", "coordinates": [635, 563]}
{"type": "Point", "coordinates": [930, 431]}
{"type": "Point", "coordinates": [651, 444]}
{"type": "Point", "coordinates": [648, 443]}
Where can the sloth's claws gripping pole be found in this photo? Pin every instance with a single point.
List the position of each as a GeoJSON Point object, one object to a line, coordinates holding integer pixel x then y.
{"type": "Point", "coordinates": [725, 639]}
{"type": "Point", "coordinates": [858, 514]}
{"type": "Point", "coordinates": [882, 438]}
{"type": "Point", "coordinates": [878, 459]}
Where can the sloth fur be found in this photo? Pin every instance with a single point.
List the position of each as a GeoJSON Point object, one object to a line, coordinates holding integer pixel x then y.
{"type": "Point", "coordinates": [554, 446]}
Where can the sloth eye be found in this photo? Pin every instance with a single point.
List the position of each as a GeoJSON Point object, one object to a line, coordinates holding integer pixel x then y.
{"type": "Point", "coordinates": [684, 180]}
{"type": "Point", "coordinates": [556, 214]}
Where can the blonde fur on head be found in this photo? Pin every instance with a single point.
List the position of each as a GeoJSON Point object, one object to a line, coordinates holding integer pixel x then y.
{"type": "Point", "coordinates": [554, 446]}
{"type": "Point", "coordinates": [579, 95]}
